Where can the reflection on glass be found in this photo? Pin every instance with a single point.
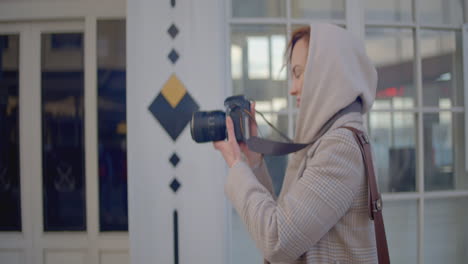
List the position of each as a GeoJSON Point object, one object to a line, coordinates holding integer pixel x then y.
{"type": "Point", "coordinates": [325, 9]}
{"type": "Point", "coordinates": [401, 225]}
{"type": "Point", "coordinates": [441, 68]}
{"type": "Point", "coordinates": [10, 198]}
{"type": "Point", "coordinates": [391, 50]}
{"type": "Point", "coordinates": [236, 62]}
{"type": "Point", "coordinates": [257, 62]}
{"type": "Point", "coordinates": [444, 157]}
{"type": "Point", "coordinates": [445, 232]}
{"type": "Point", "coordinates": [258, 57]}
{"type": "Point", "coordinates": [62, 132]}
{"type": "Point", "coordinates": [394, 145]}
{"type": "Point", "coordinates": [389, 11]}
{"type": "Point", "coordinates": [258, 8]}
{"type": "Point", "coordinates": [441, 11]}
{"type": "Point", "coordinates": [113, 206]}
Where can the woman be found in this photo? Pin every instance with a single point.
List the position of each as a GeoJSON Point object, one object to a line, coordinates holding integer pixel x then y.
{"type": "Point", "coordinates": [321, 214]}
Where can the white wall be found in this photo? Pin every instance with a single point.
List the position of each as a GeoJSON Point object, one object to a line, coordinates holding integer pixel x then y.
{"type": "Point", "coordinates": [201, 67]}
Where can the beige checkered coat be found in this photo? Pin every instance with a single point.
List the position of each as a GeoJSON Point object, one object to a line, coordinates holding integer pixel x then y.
{"type": "Point", "coordinates": [321, 215]}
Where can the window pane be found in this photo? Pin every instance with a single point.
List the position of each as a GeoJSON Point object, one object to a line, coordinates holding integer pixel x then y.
{"type": "Point", "coordinates": [257, 56]}
{"type": "Point", "coordinates": [391, 50]}
{"type": "Point", "coordinates": [441, 11]}
{"type": "Point", "coordinates": [444, 160]}
{"type": "Point", "coordinates": [258, 8]}
{"type": "Point", "coordinates": [324, 9]}
{"type": "Point", "coordinates": [401, 226]}
{"type": "Point", "coordinates": [441, 68]}
{"type": "Point", "coordinates": [389, 11]}
{"type": "Point", "coordinates": [278, 46]}
{"type": "Point", "coordinates": [280, 121]}
{"type": "Point", "coordinates": [394, 146]}
{"type": "Point", "coordinates": [62, 132]}
{"type": "Point", "coordinates": [113, 206]}
{"type": "Point", "coordinates": [10, 205]}
{"type": "Point", "coordinates": [445, 232]}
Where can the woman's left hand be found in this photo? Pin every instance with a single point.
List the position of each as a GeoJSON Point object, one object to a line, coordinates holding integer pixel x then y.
{"type": "Point", "coordinates": [230, 148]}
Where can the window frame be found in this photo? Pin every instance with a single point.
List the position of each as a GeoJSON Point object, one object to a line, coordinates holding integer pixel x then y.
{"type": "Point", "coordinates": [355, 21]}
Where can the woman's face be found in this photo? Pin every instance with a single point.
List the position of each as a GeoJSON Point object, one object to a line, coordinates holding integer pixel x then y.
{"type": "Point", "coordinates": [298, 63]}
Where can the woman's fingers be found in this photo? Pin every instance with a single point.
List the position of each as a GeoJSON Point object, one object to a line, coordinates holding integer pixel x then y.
{"type": "Point", "coordinates": [253, 121]}
{"type": "Point", "coordinates": [230, 130]}
{"type": "Point", "coordinates": [229, 149]}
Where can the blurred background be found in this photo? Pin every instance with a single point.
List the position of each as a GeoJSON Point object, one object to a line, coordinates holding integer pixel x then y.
{"type": "Point", "coordinates": [63, 118]}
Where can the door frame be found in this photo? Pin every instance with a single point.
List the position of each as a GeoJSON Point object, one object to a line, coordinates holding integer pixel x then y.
{"type": "Point", "coordinates": [32, 244]}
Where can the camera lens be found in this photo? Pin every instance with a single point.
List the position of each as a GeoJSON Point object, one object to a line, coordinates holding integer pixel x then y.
{"type": "Point", "coordinates": [208, 126]}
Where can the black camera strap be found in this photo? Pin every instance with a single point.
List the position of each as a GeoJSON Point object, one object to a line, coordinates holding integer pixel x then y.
{"type": "Point", "coordinates": [275, 148]}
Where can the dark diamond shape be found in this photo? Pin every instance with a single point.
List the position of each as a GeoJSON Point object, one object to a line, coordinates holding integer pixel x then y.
{"type": "Point", "coordinates": [174, 160]}
{"type": "Point", "coordinates": [173, 56]}
{"type": "Point", "coordinates": [173, 120]}
{"type": "Point", "coordinates": [175, 185]}
{"type": "Point", "coordinates": [173, 31]}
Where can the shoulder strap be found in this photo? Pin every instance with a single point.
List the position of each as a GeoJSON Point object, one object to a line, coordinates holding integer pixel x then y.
{"type": "Point", "coordinates": [270, 147]}
{"type": "Point", "coordinates": [375, 200]}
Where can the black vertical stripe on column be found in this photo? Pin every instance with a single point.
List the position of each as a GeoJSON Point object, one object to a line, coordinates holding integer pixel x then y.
{"type": "Point", "coordinates": [173, 3]}
{"type": "Point", "coordinates": [176, 237]}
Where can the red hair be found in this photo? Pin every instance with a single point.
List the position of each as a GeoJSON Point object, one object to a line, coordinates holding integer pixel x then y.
{"type": "Point", "coordinates": [302, 32]}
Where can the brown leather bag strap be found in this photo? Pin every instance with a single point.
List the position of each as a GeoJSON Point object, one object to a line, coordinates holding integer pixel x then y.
{"type": "Point", "coordinates": [375, 200]}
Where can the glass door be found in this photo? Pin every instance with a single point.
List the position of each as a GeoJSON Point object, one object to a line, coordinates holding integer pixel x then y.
{"type": "Point", "coordinates": [59, 185]}
{"type": "Point", "coordinates": [62, 142]}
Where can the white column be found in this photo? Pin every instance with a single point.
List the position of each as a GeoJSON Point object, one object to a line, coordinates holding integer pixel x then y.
{"type": "Point", "coordinates": [200, 201]}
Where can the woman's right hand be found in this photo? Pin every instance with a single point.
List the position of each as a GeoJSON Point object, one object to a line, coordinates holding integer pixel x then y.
{"type": "Point", "coordinates": [253, 158]}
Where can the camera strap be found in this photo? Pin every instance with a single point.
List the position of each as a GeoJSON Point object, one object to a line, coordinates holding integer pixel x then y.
{"type": "Point", "coordinates": [275, 148]}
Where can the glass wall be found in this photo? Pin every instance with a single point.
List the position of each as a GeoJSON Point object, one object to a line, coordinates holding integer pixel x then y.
{"type": "Point", "coordinates": [416, 123]}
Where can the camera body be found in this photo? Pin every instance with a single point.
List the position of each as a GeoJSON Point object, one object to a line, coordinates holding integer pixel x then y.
{"type": "Point", "coordinates": [211, 126]}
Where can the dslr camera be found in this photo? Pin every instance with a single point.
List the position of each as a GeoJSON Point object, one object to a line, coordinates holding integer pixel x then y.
{"type": "Point", "coordinates": [211, 125]}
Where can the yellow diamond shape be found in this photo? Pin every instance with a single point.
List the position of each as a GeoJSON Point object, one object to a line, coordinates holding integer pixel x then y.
{"type": "Point", "coordinates": [173, 91]}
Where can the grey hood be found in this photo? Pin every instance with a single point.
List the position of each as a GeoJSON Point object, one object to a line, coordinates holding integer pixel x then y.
{"type": "Point", "coordinates": [337, 72]}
